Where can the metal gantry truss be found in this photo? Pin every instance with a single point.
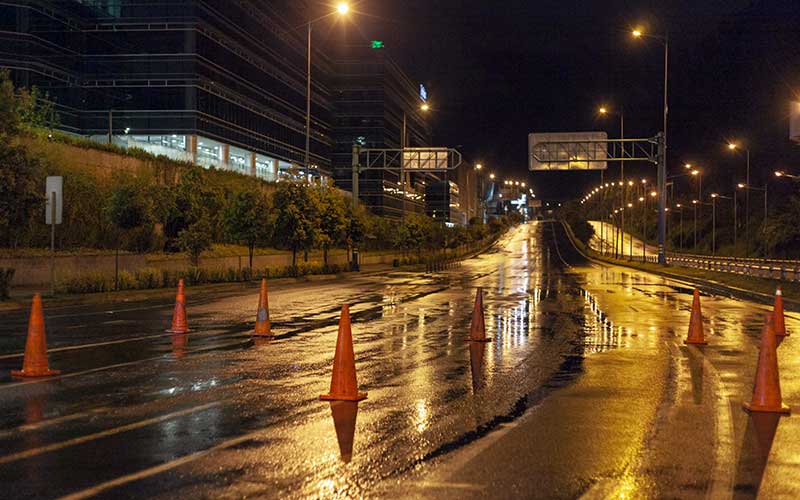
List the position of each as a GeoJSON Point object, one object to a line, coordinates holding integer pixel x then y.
{"type": "Point", "coordinates": [651, 150]}
{"type": "Point", "coordinates": [409, 159]}
{"type": "Point", "coordinates": [425, 160]}
{"type": "Point", "coordinates": [600, 151]}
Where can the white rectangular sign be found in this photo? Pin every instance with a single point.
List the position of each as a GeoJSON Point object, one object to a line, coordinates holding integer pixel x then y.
{"type": "Point", "coordinates": [426, 158]}
{"type": "Point", "coordinates": [54, 186]}
{"type": "Point", "coordinates": [568, 151]}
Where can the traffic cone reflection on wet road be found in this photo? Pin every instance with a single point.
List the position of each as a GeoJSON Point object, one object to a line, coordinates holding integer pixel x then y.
{"type": "Point", "coordinates": [344, 386]}
{"type": "Point", "coordinates": [262, 316]}
{"type": "Point", "coordinates": [696, 323]}
{"type": "Point", "coordinates": [767, 388]}
{"type": "Point", "coordinates": [477, 328]}
{"type": "Point", "coordinates": [35, 362]}
{"type": "Point", "coordinates": [179, 324]}
{"type": "Point", "coordinates": [344, 421]}
{"type": "Point", "coordinates": [778, 322]}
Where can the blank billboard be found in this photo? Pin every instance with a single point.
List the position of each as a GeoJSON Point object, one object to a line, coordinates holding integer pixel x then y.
{"type": "Point", "coordinates": [568, 151]}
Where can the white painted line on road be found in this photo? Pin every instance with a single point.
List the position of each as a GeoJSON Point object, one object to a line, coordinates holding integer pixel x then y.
{"type": "Point", "coordinates": [158, 469]}
{"type": "Point", "coordinates": [87, 346]}
{"type": "Point", "coordinates": [110, 432]}
{"type": "Point", "coordinates": [725, 456]}
{"type": "Point", "coordinates": [50, 422]}
{"type": "Point", "coordinates": [118, 365]}
{"type": "Point", "coordinates": [447, 486]}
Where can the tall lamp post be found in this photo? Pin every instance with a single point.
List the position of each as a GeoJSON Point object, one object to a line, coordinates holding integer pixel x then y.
{"type": "Point", "coordinates": [764, 190]}
{"type": "Point", "coordinates": [733, 147]}
{"type": "Point", "coordinates": [680, 210]}
{"type": "Point", "coordinates": [662, 167]}
{"type": "Point", "coordinates": [694, 205]}
{"type": "Point", "coordinates": [714, 197]}
{"type": "Point", "coordinates": [341, 9]}
{"type": "Point", "coordinates": [424, 107]}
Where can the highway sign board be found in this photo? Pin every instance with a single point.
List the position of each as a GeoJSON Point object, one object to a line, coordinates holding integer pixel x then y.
{"type": "Point", "coordinates": [53, 192]}
{"type": "Point", "coordinates": [568, 151]}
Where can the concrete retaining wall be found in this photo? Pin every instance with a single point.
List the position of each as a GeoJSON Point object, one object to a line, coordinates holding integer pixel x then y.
{"type": "Point", "coordinates": [35, 271]}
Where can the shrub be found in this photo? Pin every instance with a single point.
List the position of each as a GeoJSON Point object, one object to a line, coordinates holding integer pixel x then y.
{"type": "Point", "coordinates": [89, 283]}
{"type": "Point", "coordinates": [147, 278]}
{"type": "Point", "coordinates": [6, 276]}
{"type": "Point", "coordinates": [127, 281]}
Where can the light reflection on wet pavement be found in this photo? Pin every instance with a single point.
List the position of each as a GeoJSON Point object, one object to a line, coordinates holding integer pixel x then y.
{"type": "Point", "coordinates": [579, 350]}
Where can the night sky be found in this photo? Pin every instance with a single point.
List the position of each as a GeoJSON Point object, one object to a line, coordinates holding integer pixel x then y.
{"type": "Point", "coordinates": [499, 70]}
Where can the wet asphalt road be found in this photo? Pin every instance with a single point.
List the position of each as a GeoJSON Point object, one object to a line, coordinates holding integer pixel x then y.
{"type": "Point", "coordinates": [587, 390]}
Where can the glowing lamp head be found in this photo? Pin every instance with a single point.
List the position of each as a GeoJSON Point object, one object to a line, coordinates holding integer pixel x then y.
{"type": "Point", "coordinates": [695, 172]}
{"type": "Point", "coordinates": [653, 194]}
{"type": "Point", "coordinates": [343, 8]}
{"type": "Point", "coordinates": [491, 176]}
{"type": "Point", "coordinates": [714, 195]}
{"type": "Point", "coordinates": [630, 183]}
{"type": "Point", "coordinates": [425, 107]}
{"type": "Point", "coordinates": [603, 110]}
{"type": "Point", "coordinates": [732, 146]}
{"type": "Point", "coordinates": [778, 173]}
{"type": "Point", "coordinates": [741, 185]}
{"type": "Point", "coordinates": [641, 198]}
{"type": "Point", "coordinates": [630, 205]}
{"type": "Point", "coordinates": [637, 33]}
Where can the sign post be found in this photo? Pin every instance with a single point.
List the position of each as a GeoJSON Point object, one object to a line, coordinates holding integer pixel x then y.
{"type": "Point", "coordinates": [53, 213]}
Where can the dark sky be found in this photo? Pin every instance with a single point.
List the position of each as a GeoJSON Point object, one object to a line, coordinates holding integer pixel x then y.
{"type": "Point", "coordinates": [499, 70]}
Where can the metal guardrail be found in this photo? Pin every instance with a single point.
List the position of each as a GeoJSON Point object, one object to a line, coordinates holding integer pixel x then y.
{"type": "Point", "coordinates": [778, 269]}
{"type": "Point", "coordinates": [785, 270]}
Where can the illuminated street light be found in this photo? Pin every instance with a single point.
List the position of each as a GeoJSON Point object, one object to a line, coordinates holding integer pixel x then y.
{"type": "Point", "coordinates": [478, 166]}
{"type": "Point", "coordinates": [653, 194]}
{"type": "Point", "coordinates": [644, 181]}
{"type": "Point", "coordinates": [630, 183]}
{"type": "Point", "coordinates": [641, 198]}
{"type": "Point", "coordinates": [425, 107]}
{"type": "Point", "coordinates": [741, 185]}
{"type": "Point", "coordinates": [637, 33]}
{"type": "Point", "coordinates": [687, 166]}
{"type": "Point", "coordinates": [732, 146]}
{"type": "Point", "coordinates": [343, 8]}
{"type": "Point", "coordinates": [491, 176]}
{"type": "Point", "coordinates": [714, 195]}
{"type": "Point", "coordinates": [602, 110]}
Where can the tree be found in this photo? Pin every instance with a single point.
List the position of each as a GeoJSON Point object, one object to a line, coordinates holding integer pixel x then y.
{"type": "Point", "coordinates": [333, 222]}
{"type": "Point", "coordinates": [415, 232]}
{"type": "Point", "coordinates": [21, 194]}
{"type": "Point", "coordinates": [247, 219]}
{"type": "Point", "coordinates": [9, 110]}
{"type": "Point", "coordinates": [128, 208]}
{"type": "Point", "coordinates": [296, 222]}
{"type": "Point", "coordinates": [196, 239]}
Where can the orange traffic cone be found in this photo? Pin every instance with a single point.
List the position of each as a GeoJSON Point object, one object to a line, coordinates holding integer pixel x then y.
{"type": "Point", "coordinates": [778, 323]}
{"type": "Point", "coordinates": [262, 317]}
{"type": "Point", "coordinates": [344, 386]}
{"type": "Point", "coordinates": [477, 328]}
{"type": "Point", "coordinates": [767, 389]}
{"type": "Point", "coordinates": [179, 324]}
{"type": "Point", "coordinates": [35, 362]}
{"type": "Point", "coordinates": [696, 323]}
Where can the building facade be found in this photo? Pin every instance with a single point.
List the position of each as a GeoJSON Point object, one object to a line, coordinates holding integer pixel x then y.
{"type": "Point", "coordinates": [220, 87]}
{"type": "Point", "coordinates": [376, 105]}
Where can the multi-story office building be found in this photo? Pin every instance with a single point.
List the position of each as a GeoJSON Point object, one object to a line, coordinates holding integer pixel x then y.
{"type": "Point", "coordinates": [220, 84]}
{"type": "Point", "coordinates": [374, 99]}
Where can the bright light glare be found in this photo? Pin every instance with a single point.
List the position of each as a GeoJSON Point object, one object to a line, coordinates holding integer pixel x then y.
{"type": "Point", "coordinates": [778, 173]}
{"type": "Point", "coordinates": [732, 146]}
{"type": "Point", "coordinates": [695, 172]}
{"type": "Point", "coordinates": [425, 107]}
{"type": "Point", "coordinates": [343, 8]}
{"type": "Point", "coordinates": [603, 110]}
{"type": "Point", "coordinates": [637, 33]}
{"type": "Point", "coordinates": [741, 186]}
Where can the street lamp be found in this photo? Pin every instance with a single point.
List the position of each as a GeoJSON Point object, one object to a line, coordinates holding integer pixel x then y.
{"type": "Point", "coordinates": [491, 176]}
{"type": "Point", "coordinates": [733, 147]}
{"type": "Point", "coordinates": [603, 110]}
{"type": "Point", "coordinates": [694, 205]}
{"type": "Point", "coordinates": [764, 190]}
{"type": "Point", "coordinates": [662, 168]}
{"type": "Point", "coordinates": [680, 210]}
{"type": "Point", "coordinates": [342, 9]}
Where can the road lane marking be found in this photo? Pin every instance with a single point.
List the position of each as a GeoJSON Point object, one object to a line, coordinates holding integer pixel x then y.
{"type": "Point", "coordinates": [50, 422]}
{"type": "Point", "coordinates": [118, 365]}
{"type": "Point", "coordinates": [152, 471]}
{"type": "Point", "coordinates": [109, 432]}
{"type": "Point", "coordinates": [725, 456]}
{"type": "Point", "coordinates": [87, 346]}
